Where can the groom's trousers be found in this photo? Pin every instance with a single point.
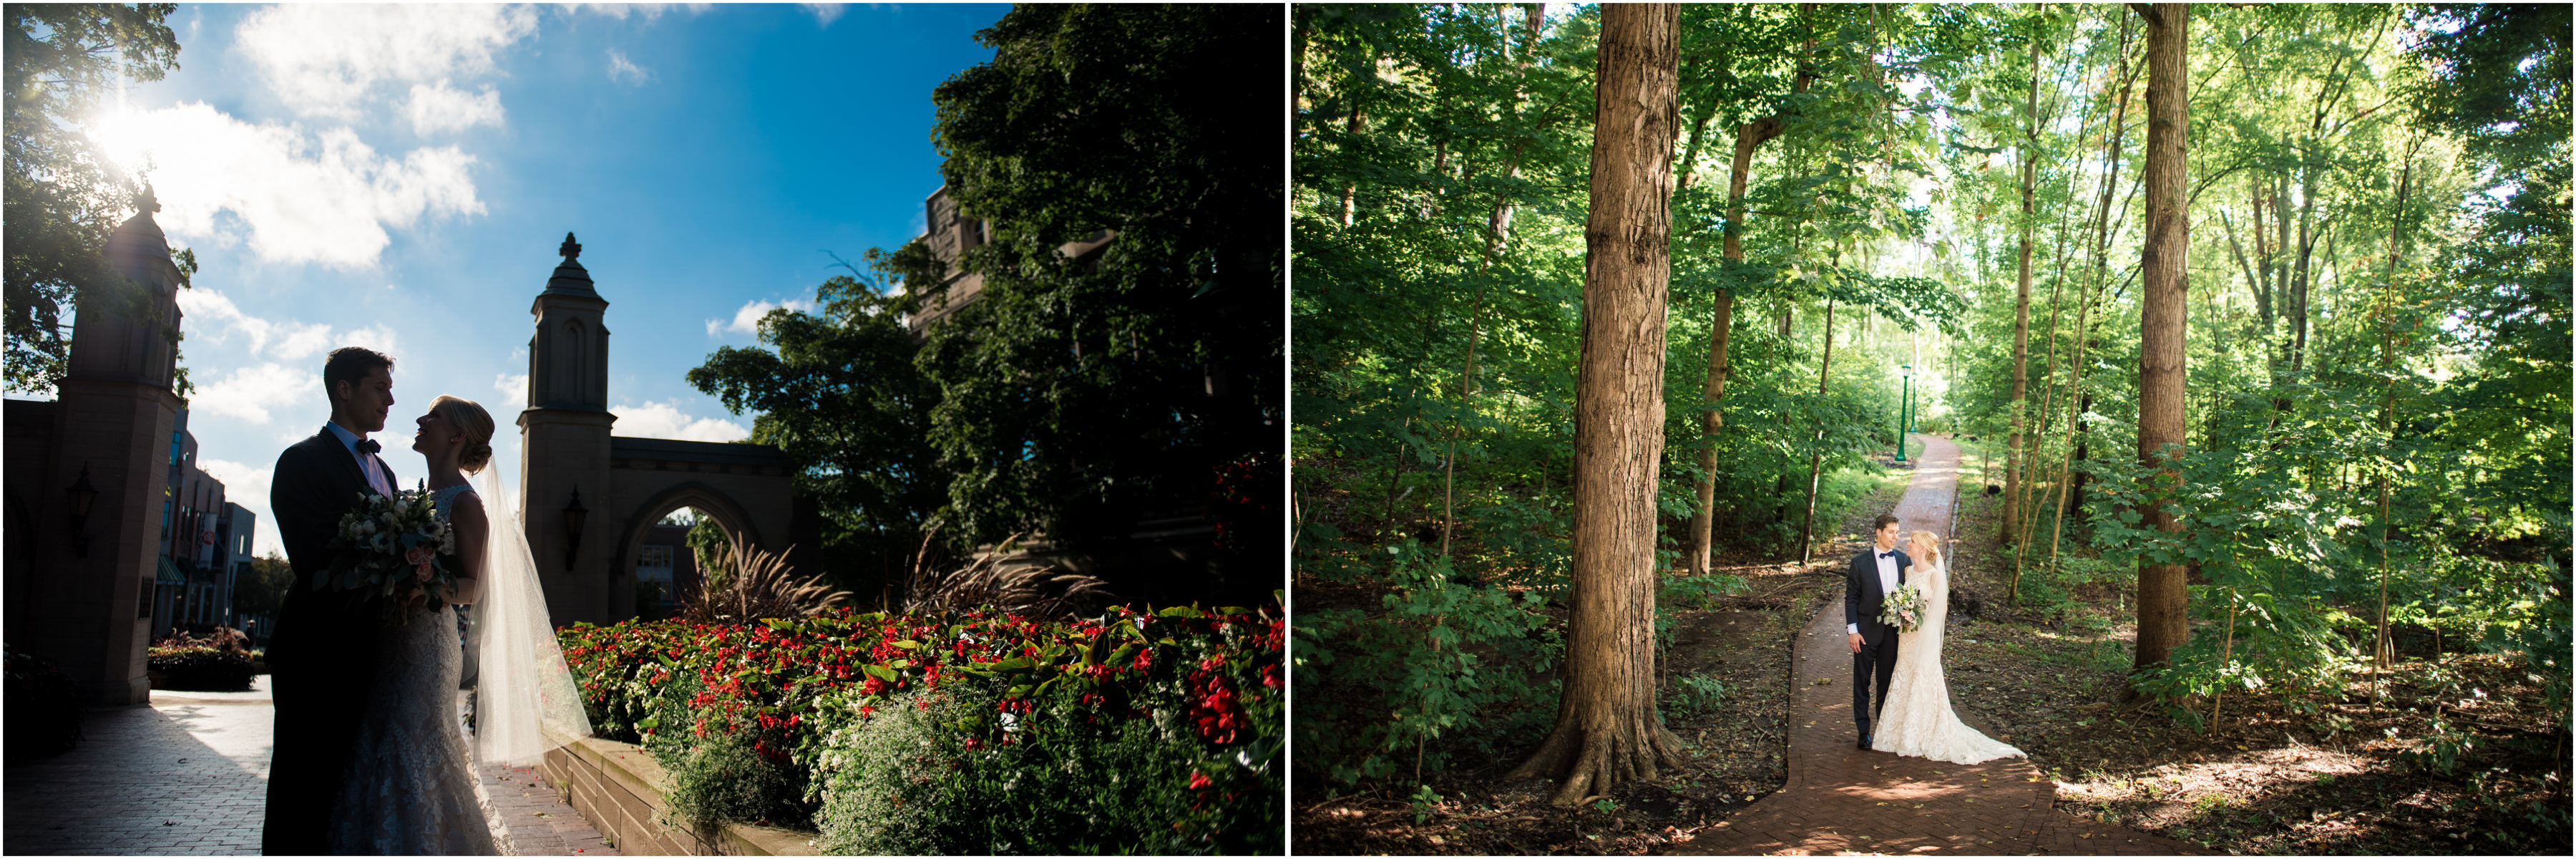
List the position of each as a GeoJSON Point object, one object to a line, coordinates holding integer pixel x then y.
{"type": "Point", "coordinates": [1875, 658]}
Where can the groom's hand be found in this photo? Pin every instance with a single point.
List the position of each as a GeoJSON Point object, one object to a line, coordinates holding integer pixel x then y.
{"type": "Point", "coordinates": [1855, 639]}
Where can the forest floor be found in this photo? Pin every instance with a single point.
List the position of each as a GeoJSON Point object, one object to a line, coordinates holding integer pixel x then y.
{"type": "Point", "coordinates": [1735, 745]}
{"type": "Point", "coordinates": [2323, 772]}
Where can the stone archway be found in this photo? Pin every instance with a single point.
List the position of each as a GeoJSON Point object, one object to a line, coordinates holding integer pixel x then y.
{"type": "Point", "coordinates": [710, 502]}
{"type": "Point", "coordinates": [624, 484]}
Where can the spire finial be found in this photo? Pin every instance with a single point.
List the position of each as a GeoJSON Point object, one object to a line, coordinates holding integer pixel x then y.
{"type": "Point", "coordinates": [145, 202]}
{"type": "Point", "coordinates": [571, 249]}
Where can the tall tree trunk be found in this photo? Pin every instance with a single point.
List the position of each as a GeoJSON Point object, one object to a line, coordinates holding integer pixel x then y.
{"type": "Point", "coordinates": [2087, 296]}
{"type": "Point", "coordinates": [2382, 652]}
{"type": "Point", "coordinates": [1498, 228]}
{"type": "Point", "coordinates": [1816, 459]}
{"type": "Point", "coordinates": [1748, 137]}
{"type": "Point", "coordinates": [2162, 321]}
{"type": "Point", "coordinates": [2012, 535]}
{"type": "Point", "coordinates": [1607, 728]}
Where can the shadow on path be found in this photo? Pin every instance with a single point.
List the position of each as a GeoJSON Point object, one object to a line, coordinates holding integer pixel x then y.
{"type": "Point", "coordinates": [187, 775]}
{"type": "Point", "coordinates": [1840, 799]}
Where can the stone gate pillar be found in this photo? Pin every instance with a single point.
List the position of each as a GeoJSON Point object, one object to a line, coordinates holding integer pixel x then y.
{"type": "Point", "coordinates": [564, 447]}
{"type": "Point", "coordinates": [113, 417]}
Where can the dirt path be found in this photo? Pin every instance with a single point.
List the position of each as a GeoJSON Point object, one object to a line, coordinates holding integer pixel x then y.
{"type": "Point", "coordinates": [1842, 799]}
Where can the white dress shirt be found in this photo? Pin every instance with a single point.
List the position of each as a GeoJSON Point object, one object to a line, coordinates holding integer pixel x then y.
{"type": "Point", "coordinates": [367, 463]}
{"type": "Point", "coordinates": [1887, 580]}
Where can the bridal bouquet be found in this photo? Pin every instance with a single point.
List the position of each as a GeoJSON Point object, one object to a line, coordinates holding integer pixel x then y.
{"type": "Point", "coordinates": [1903, 609]}
{"type": "Point", "coordinates": [391, 541]}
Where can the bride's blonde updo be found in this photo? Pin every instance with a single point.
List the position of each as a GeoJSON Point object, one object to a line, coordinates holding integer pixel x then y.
{"type": "Point", "coordinates": [1931, 544]}
{"type": "Point", "coordinates": [465, 415]}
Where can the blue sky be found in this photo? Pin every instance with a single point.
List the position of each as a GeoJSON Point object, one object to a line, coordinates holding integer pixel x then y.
{"type": "Point", "coordinates": [399, 177]}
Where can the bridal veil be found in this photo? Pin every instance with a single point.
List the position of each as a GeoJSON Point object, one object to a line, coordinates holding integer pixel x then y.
{"type": "Point", "coordinates": [526, 703]}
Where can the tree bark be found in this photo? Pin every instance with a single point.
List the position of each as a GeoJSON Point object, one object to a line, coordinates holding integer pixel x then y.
{"type": "Point", "coordinates": [1607, 727]}
{"type": "Point", "coordinates": [2163, 320]}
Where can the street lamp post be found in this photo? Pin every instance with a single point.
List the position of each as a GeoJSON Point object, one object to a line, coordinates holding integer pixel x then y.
{"type": "Point", "coordinates": [1904, 404]}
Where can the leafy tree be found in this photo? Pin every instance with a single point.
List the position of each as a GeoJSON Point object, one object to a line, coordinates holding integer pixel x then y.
{"type": "Point", "coordinates": [838, 391]}
{"type": "Point", "coordinates": [264, 589]}
{"type": "Point", "coordinates": [63, 196]}
{"type": "Point", "coordinates": [1080, 395]}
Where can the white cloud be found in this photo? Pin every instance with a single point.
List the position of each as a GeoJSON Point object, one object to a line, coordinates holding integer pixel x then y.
{"type": "Point", "coordinates": [747, 320]}
{"type": "Point", "coordinates": [323, 59]}
{"type": "Point", "coordinates": [665, 420]}
{"type": "Point", "coordinates": [303, 198]}
{"type": "Point", "coordinates": [437, 108]}
{"type": "Point", "coordinates": [248, 487]}
{"type": "Point", "coordinates": [620, 69]}
{"type": "Point", "coordinates": [648, 11]}
{"type": "Point", "coordinates": [214, 317]}
{"type": "Point", "coordinates": [249, 393]}
{"type": "Point", "coordinates": [826, 13]}
{"type": "Point", "coordinates": [513, 387]}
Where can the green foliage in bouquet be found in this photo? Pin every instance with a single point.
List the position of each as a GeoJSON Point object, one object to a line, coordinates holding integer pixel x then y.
{"type": "Point", "coordinates": [391, 542]}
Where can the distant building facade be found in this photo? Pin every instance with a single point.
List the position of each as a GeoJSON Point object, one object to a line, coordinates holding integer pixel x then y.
{"type": "Point", "coordinates": [192, 582]}
{"type": "Point", "coordinates": [666, 572]}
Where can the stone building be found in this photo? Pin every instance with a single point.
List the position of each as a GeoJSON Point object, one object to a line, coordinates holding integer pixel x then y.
{"type": "Point", "coordinates": [591, 498]}
{"type": "Point", "coordinates": [87, 475]}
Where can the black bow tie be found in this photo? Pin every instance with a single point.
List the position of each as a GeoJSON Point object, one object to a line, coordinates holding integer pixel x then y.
{"type": "Point", "coordinates": [368, 446]}
{"type": "Point", "coordinates": [1887, 554]}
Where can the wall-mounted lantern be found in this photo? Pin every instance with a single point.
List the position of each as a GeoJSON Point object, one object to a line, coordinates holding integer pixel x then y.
{"type": "Point", "coordinates": [82, 496]}
{"type": "Point", "coordinates": [573, 514]}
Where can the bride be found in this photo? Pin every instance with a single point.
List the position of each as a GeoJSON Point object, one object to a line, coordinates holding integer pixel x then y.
{"type": "Point", "coordinates": [410, 788]}
{"type": "Point", "coordinates": [1917, 719]}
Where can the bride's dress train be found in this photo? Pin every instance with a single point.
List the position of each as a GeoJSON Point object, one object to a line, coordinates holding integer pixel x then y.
{"type": "Point", "coordinates": [1917, 719]}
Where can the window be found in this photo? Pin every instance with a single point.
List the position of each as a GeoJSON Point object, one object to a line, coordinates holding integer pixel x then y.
{"type": "Point", "coordinates": [653, 564]}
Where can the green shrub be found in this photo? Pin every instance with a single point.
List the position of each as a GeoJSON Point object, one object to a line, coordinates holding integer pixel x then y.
{"type": "Point", "coordinates": [960, 732]}
{"type": "Point", "coordinates": [43, 708]}
{"type": "Point", "coordinates": [201, 668]}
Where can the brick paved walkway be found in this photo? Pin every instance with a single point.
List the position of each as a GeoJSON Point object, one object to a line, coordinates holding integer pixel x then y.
{"type": "Point", "coordinates": [1840, 799]}
{"type": "Point", "coordinates": [188, 776]}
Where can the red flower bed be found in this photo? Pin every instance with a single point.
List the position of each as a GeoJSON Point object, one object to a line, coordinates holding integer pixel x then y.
{"type": "Point", "coordinates": [1217, 673]}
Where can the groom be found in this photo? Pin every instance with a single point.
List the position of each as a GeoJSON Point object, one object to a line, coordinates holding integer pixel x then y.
{"type": "Point", "coordinates": [1872, 576]}
{"type": "Point", "coordinates": [322, 659]}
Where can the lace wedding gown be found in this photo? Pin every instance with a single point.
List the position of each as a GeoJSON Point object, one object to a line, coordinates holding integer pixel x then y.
{"type": "Point", "coordinates": [1917, 719]}
{"type": "Point", "coordinates": [411, 788]}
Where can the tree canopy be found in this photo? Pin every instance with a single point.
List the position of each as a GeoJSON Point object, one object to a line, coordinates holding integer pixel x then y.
{"type": "Point", "coordinates": [64, 196]}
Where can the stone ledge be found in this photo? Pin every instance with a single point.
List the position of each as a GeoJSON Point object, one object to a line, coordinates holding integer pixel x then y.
{"type": "Point", "coordinates": [619, 788]}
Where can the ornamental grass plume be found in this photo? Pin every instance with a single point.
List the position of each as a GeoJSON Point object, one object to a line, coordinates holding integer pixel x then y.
{"type": "Point", "coordinates": [1025, 588]}
{"type": "Point", "coordinates": [748, 583]}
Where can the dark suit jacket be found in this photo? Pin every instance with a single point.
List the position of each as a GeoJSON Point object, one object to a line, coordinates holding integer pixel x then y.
{"type": "Point", "coordinates": [322, 658]}
{"type": "Point", "coordinates": [1863, 597]}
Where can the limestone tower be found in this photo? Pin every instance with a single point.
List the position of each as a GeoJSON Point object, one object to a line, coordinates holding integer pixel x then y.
{"type": "Point", "coordinates": [110, 425]}
{"type": "Point", "coordinates": [563, 443]}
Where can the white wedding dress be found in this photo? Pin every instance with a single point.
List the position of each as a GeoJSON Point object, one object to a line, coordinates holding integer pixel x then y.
{"type": "Point", "coordinates": [410, 789]}
{"type": "Point", "coordinates": [1917, 719]}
